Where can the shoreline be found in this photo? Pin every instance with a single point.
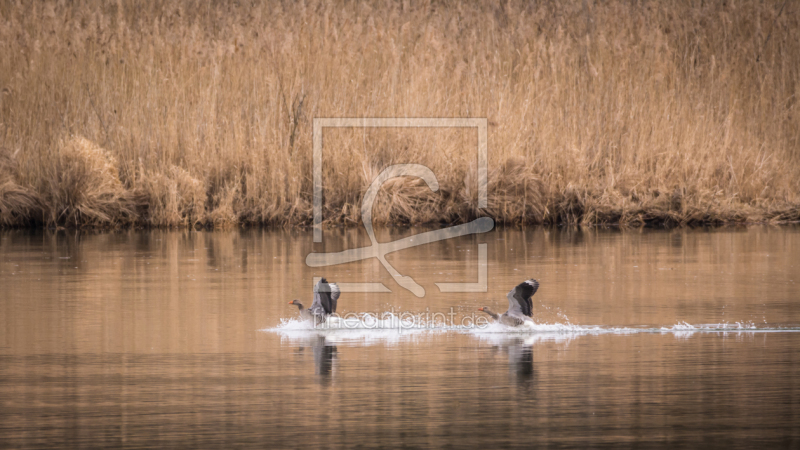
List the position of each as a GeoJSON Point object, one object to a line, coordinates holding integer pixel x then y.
{"type": "Point", "coordinates": [662, 225]}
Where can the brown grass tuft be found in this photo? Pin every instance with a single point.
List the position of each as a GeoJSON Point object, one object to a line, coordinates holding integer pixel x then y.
{"type": "Point", "coordinates": [18, 205]}
{"type": "Point", "coordinates": [81, 186]}
{"type": "Point", "coordinates": [171, 198]}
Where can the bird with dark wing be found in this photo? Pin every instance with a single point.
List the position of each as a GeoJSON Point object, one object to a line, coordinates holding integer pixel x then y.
{"type": "Point", "coordinates": [326, 296]}
{"type": "Point", "coordinates": [520, 306]}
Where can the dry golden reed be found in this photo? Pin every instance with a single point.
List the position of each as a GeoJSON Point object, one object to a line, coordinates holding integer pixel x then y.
{"type": "Point", "coordinates": [192, 113]}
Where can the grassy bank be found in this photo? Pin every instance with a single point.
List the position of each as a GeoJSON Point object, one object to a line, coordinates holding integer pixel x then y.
{"type": "Point", "coordinates": [184, 113]}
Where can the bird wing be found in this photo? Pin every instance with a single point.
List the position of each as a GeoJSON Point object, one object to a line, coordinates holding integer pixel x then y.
{"type": "Point", "coordinates": [519, 298]}
{"type": "Point", "coordinates": [322, 298]}
{"type": "Point", "coordinates": [335, 293]}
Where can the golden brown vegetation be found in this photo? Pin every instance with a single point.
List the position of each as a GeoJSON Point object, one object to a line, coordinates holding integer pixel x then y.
{"type": "Point", "coordinates": [184, 113]}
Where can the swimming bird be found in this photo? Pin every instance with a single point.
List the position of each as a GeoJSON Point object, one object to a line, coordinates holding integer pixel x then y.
{"type": "Point", "coordinates": [326, 296]}
{"type": "Point", "coordinates": [305, 314]}
{"type": "Point", "coordinates": [520, 306]}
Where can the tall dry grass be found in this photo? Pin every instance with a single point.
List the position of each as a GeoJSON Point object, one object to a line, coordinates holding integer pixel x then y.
{"type": "Point", "coordinates": [184, 113]}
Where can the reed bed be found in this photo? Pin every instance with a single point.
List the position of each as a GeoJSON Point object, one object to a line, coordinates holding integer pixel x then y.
{"type": "Point", "coordinates": [194, 113]}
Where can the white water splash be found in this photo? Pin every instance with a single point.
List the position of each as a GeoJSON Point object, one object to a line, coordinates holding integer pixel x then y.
{"type": "Point", "coordinates": [680, 327]}
{"type": "Point", "coordinates": [530, 328]}
{"type": "Point", "coordinates": [509, 339]}
{"type": "Point", "coordinates": [390, 328]}
{"type": "Point", "coordinates": [365, 329]}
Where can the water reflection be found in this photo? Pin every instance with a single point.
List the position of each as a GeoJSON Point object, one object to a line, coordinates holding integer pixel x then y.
{"type": "Point", "coordinates": [324, 355]}
{"type": "Point", "coordinates": [520, 360]}
{"type": "Point", "coordinates": [324, 351]}
{"type": "Point", "coordinates": [518, 349]}
{"type": "Point", "coordinates": [519, 354]}
{"type": "Point", "coordinates": [151, 339]}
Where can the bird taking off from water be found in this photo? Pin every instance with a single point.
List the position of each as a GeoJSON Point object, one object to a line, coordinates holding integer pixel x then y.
{"type": "Point", "coordinates": [326, 296]}
{"type": "Point", "coordinates": [520, 306]}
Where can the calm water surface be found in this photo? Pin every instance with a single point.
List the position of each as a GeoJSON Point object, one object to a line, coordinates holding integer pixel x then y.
{"type": "Point", "coordinates": [155, 338]}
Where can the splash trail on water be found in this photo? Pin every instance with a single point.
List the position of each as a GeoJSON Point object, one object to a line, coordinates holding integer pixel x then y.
{"type": "Point", "coordinates": [388, 327]}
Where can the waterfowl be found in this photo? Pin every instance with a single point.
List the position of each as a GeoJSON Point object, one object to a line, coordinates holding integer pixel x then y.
{"type": "Point", "coordinates": [305, 314]}
{"type": "Point", "coordinates": [520, 306]}
{"type": "Point", "coordinates": [326, 296]}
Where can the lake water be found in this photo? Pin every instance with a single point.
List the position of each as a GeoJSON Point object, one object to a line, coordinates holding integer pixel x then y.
{"type": "Point", "coordinates": [647, 338]}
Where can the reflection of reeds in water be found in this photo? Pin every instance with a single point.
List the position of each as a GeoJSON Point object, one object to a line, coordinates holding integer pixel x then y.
{"type": "Point", "coordinates": [173, 115]}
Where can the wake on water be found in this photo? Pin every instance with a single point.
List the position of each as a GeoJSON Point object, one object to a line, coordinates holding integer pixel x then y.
{"type": "Point", "coordinates": [389, 327]}
{"type": "Point", "coordinates": [366, 328]}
